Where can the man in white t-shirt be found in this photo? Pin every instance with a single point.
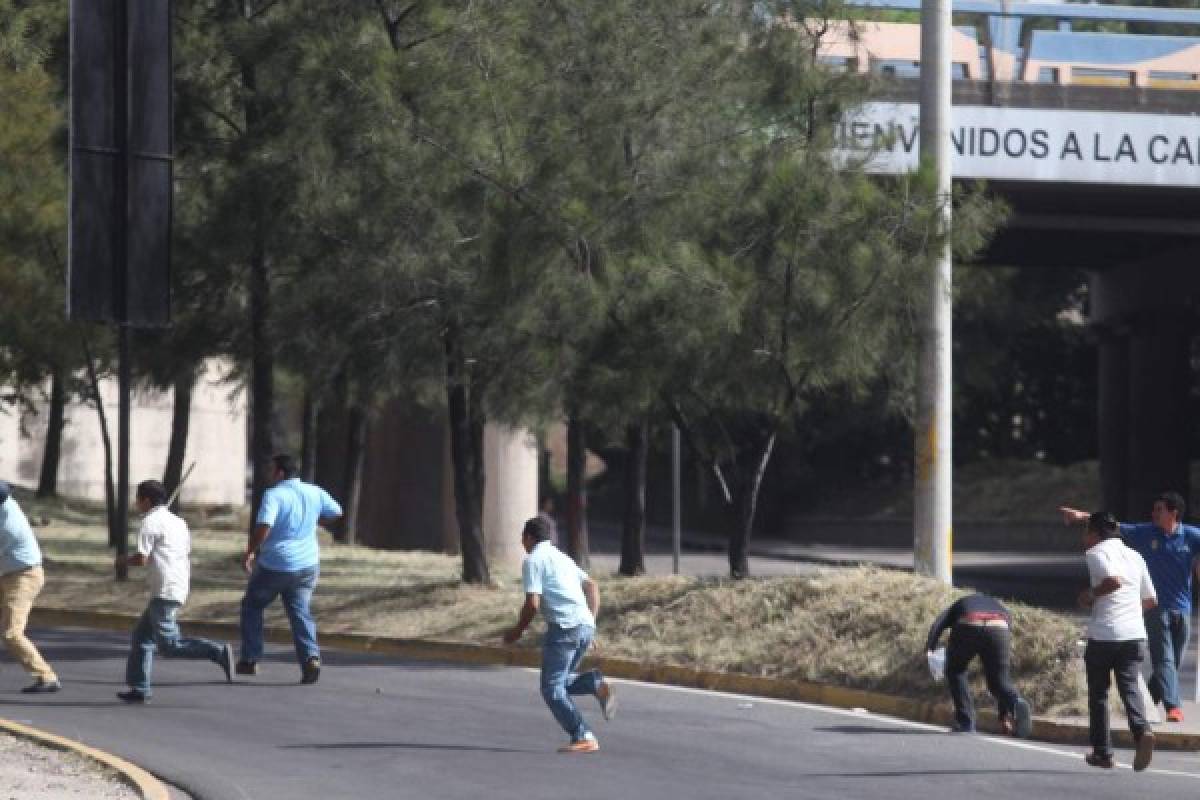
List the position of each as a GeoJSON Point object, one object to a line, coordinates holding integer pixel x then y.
{"type": "Point", "coordinates": [568, 600]}
{"type": "Point", "coordinates": [1119, 590]}
{"type": "Point", "coordinates": [164, 546]}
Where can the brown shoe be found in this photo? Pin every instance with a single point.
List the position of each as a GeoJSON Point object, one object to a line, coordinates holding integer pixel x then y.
{"type": "Point", "coordinates": [587, 744]}
{"type": "Point", "coordinates": [1144, 752]}
{"type": "Point", "coordinates": [1007, 726]}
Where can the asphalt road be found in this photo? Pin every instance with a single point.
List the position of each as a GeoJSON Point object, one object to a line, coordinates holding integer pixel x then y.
{"type": "Point", "coordinates": [376, 727]}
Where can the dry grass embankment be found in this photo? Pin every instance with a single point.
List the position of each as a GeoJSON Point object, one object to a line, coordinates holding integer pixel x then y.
{"type": "Point", "coordinates": [861, 628]}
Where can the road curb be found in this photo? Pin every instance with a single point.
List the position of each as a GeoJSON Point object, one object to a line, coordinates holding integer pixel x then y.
{"type": "Point", "coordinates": [148, 786]}
{"type": "Point", "coordinates": [936, 713]}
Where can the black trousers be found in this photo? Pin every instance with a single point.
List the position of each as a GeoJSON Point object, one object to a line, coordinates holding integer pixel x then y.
{"type": "Point", "coordinates": [992, 645]}
{"type": "Point", "coordinates": [1121, 659]}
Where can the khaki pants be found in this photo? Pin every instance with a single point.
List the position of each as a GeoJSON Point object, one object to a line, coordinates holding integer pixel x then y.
{"type": "Point", "coordinates": [18, 590]}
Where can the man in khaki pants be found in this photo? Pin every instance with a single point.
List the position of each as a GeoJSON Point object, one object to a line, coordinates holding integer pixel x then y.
{"type": "Point", "coordinates": [21, 578]}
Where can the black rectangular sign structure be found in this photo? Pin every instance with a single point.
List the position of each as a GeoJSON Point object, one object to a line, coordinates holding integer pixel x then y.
{"type": "Point", "coordinates": [121, 162]}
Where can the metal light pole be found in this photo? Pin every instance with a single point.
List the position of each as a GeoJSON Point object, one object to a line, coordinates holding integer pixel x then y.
{"type": "Point", "coordinates": [932, 506]}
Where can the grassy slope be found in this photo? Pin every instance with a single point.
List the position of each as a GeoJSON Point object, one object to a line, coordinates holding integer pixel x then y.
{"type": "Point", "coordinates": [862, 627]}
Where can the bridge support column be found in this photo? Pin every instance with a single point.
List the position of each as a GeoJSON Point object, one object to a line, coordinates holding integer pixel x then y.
{"type": "Point", "coordinates": [1159, 384]}
{"type": "Point", "coordinates": [1113, 420]}
{"type": "Point", "coordinates": [1145, 325]}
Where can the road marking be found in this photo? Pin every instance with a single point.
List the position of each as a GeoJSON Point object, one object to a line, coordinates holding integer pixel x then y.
{"type": "Point", "coordinates": [860, 714]}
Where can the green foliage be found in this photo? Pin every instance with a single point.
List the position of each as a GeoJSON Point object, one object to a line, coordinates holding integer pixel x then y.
{"type": "Point", "coordinates": [34, 334]}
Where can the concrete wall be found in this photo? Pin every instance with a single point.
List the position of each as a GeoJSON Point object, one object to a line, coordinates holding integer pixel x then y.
{"type": "Point", "coordinates": [407, 500]}
{"type": "Point", "coordinates": [10, 444]}
{"type": "Point", "coordinates": [216, 441]}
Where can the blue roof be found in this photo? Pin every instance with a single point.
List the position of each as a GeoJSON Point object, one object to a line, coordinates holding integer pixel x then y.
{"type": "Point", "coordinates": [1105, 48]}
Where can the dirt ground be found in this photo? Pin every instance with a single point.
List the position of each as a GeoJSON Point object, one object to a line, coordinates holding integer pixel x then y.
{"type": "Point", "coordinates": [29, 771]}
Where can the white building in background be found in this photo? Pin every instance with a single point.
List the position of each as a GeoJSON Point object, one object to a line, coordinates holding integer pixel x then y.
{"type": "Point", "coordinates": [216, 441]}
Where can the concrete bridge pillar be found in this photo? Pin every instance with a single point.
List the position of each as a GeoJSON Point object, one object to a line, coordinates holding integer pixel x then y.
{"type": "Point", "coordinates": [1145, 323]}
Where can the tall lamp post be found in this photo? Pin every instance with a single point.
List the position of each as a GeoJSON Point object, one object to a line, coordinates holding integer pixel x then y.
{"type": "Point", "coordinates": [932, 506]}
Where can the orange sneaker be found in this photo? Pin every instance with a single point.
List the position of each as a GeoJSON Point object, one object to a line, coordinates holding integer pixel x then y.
{"type": "Point", "coordinates": [1175, 715]}
{"type": "Point", "coordinates": [587, 744]}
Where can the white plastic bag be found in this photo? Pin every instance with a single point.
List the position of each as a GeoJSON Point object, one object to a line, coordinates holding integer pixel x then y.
{"type": "Point", "coordinates": [937, 664]}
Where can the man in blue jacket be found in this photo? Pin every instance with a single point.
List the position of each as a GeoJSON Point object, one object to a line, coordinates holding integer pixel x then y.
{"type": "Point", "coordinates": [283, 559]}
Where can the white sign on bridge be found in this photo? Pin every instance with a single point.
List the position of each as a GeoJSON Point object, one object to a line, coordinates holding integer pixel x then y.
{"type": "Point", "coordinates": [1025, 144]}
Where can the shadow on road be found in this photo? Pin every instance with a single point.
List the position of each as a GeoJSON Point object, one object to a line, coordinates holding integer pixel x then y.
{"type": "Point", "coordinates": [399, 746]}
{"type": "Point", "coordinates": [925, 773]}
{"type": "Point", "coordinates": [859, 729]}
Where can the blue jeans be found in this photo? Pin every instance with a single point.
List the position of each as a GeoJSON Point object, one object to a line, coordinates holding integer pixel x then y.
{"type": "Point", "coordinates": [157, 629]}
{"type": "Point", "coordinates": [296, 588]}
{"type": "Point", "coordinates": [1167, 636]}
{"type": "Point", "coordinates": [562, 651]}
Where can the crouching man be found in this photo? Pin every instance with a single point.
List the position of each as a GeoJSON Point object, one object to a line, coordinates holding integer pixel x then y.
{"type": "Point", "coordinates": [980, 626]}
{"type": "Point", "coordinates": [569, 600]}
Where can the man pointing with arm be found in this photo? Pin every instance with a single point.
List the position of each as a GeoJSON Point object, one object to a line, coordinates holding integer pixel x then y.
{"type": "Point", "coordinates": [1169, 548]}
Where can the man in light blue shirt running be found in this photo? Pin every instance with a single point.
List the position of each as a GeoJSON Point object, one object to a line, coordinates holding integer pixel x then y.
{"type": "Point", "coordinates": [21, 579]}
{"type": "Point", "coordinates": [282, 559]}
{"type": "Point", "coordinates": [568, 600]}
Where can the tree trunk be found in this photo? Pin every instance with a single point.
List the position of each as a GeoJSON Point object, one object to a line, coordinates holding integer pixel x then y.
{"type": "Point", "coordinates": [466, 449]}
{"type": "Point", "coordinates": [52, 452]}
{"type": "Point", "coordinates": [577, 531]}
{"type": "Point", "coordinates": [110, 493]}
{"type": "Point", "coordinates": [356, 455]}
{"type": "Point", "coordinates": [746, 503]}
{"type": "Point", "coordinates": [633, 533]}
{"type": "Point", "coordinates": [308, 446]}
{"type": "Point", "coordinates": [262, 378]}
{"type": "Point", "coordinates": [262, 349]}
{"type": "Point", "coordinates": [181, 417]}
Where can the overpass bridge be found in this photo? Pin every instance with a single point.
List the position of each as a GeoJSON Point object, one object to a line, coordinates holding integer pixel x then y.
{"type": "Point", "coordinates": [1095, 147]}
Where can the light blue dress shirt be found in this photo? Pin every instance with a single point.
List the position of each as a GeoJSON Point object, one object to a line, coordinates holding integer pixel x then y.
{"type": "Point", "coordinates": [292, 509]}
{"type": "Point", "coordinates": [18, 548]}
{"type": "Point", "coordinates": [549, 572]}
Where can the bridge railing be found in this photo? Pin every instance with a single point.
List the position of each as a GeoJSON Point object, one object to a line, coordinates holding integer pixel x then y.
{"type": "Point", "coordinates": [1006, 44]}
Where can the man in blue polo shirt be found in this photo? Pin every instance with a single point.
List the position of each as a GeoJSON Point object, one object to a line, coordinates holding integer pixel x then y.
{"type": "Point", "coordinates": [282, 559]}
{"type": "Point", "coordinates": [1169, 549]}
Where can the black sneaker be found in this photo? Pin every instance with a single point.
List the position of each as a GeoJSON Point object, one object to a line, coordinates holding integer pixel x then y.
{"type": "Point", "coordinates": [1098, 760]}
{"type": "Point", "coordinates": [310, 670]}
{"type": "Point", "coordinates": [1023, 719]}
{"type": "Point", "coordinates": [246, 668]}
{"type": "Point", "coordinates": [225, 662]}
{"type": "Point", "coordinates": [41, 686]}
{"type": "Point", "coordinates": [134, 697]}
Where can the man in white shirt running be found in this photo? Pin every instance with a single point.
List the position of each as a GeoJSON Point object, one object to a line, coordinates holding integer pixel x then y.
{"type": "Point", "coordinates": [568, 600]}
{"type": "Point", "coordinates": [164, 546]}
{"type": "Point", "coordinates": [1119, 590]}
